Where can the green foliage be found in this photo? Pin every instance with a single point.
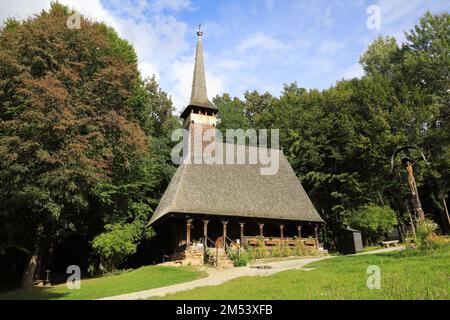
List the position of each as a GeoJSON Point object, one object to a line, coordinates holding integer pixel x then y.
{"type": "Point", "coordinates": [380, 56]}
{"type": "Point", "coordinates": [84, 141]}
{"type": "Point", "coordinates": [118, 242]}
{"type": "Point", "coordinates": [121, 48]}
{"type": "Point", "coordinates": [261, 251]}
{"type": "Point", "coordinates": [231, 114]}
{"type": "Point", "coordinates": [374, 221]}
{"type": "Point", "coordinates": [239, 258]}
{"type": "Point", "coordinates": [339, 140]}
{"type": "Point", "coordinates": [424, 231]}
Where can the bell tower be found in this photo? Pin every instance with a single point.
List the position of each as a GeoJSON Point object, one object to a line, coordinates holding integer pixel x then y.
{"type": "Point", "coordinates": [200, 112]}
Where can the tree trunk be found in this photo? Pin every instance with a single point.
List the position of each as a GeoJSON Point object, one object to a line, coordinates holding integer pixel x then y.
{"type": "Point", "coordinates": [30, 269]}
{"type": "Point", "coordinates": [28, 276]}
{"type": "Point", "coordinates": [39, 272]}
{"type": "Point", "coordinates": [446, 211]}
{"type": "Point", "coordinates": [46, 248]}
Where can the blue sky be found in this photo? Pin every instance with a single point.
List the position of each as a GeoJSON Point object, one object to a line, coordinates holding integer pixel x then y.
{"type": "Point", "coordinates": [249, 44]}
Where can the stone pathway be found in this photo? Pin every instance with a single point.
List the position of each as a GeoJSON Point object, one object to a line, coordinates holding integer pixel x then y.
{"type": "Point", "coordinates": [382, 250]}
{"type": "Point", "coordinates": [219, 276]}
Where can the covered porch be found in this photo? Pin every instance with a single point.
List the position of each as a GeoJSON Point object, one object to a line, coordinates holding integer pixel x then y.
{"type": "Point", "coordinates": [223, 232]}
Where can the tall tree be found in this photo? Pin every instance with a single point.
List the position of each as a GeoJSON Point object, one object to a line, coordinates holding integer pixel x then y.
{"type": "Point", "coordinates": [66, 123]}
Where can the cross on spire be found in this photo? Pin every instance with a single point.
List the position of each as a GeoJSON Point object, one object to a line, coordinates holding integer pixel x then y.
{"type": "Point", "coordinates": [199, 31]}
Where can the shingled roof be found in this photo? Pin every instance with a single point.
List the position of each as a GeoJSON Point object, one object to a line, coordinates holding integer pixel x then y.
{"type": "Point", "coordinates": [237, 190]}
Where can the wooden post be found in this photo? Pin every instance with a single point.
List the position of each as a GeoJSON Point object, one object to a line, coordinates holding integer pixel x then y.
{"type": "Point", "coordinates": [446, 210]}
{"type": "Point", "coordinates": [316, 235]}
{"type": "Point", "coordinates": [282, 234]}
{"type": "Point", "coordinates": [299, 231]}
{"type": "Point", "coordinates": [261, 226]}
{"type": "Point", "coordinates": [242, 231]}
{"type": "Point", "coordinates": [224, 233]}
{"type": "Point", "coordinates": [417, 206]}
{"type": "Point", "coordinates": [188, 233]}
{"type": "Point", "coordinates": [205, 233]}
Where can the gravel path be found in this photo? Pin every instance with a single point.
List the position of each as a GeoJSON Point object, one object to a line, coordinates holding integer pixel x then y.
{"type": "Point", "coordinates": [219, 276]}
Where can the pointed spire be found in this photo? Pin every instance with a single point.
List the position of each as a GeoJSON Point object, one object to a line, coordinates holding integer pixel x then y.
{"type": "Point", "coordinates": [199, 96]}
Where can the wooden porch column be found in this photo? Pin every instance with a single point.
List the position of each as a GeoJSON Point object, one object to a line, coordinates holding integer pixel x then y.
{"type": "Point", "coordinates": [205, 233]}
{"type": "Point", "coordinates": [261, 226]}
{"type": "Point", "coordinates": [188, 233]}
{"type": "Point", "coordinates": [299, 231]}
{"type": "Point", "coordinates": [224, 233]}
{"type": "Point", "coordinates": [242, 230]}
{"type": "Point", "coordinates": [282, 234]}
{"type": "Point", "coordinates": [316, 235]}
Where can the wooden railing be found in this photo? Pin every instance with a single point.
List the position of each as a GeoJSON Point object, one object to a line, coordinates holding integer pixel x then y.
{"type": "Point", "coordinates": [237, 245]}
{"type": "Point", "coordinates": [273, 241]}
{"type": "Point", "coordinates": [208, 239]}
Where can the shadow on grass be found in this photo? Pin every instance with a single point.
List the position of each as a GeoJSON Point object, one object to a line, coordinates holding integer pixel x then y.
{"type": "Point", "coordinates": [33, 294]}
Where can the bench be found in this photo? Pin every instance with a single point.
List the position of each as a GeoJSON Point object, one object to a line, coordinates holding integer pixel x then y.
{"type": "Point", "coordinates": [387, 244]}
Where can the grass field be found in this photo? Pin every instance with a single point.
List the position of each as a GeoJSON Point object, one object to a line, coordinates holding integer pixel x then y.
{"type": "Point", "coordinates": [134, 280]}
{"type": "Point", "coordinates": [408, 274]}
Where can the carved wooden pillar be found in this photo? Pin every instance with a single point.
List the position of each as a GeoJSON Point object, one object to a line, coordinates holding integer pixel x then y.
{"type": "Point", "coordinates": [188, 233]}
{"type": "Point", "coordinates": [261, 227]}
{"type": "Point", "coordinates": [299, 231]}
{"type": "Point", "coordinates": [205, 233]}
{"type": "Point", "coordinates": [316, 235]}
{"type": "Point", "coordinates": [224, 233]}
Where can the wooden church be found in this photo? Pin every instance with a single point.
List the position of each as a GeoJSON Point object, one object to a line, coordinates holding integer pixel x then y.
{"type": "Point", "coordinates": [219, 205]}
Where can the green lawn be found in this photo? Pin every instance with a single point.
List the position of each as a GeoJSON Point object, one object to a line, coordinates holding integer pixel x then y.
{"type": "Point", "coordinates": [134, 280]}
{"type": "Point", "coordinates": [408, 274]}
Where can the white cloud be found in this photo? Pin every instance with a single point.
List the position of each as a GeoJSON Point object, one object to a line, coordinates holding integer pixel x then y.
{"type": "Point", "coordinates": [331, 47]}
{"type": "Point", "coordinates": [182, 72]}
{"type": "Point", "coordinates": [21, 8]}
{"type": "Point", "coordinates": [262, 42]}
{"type": "Point", "coordinates": [302, 40]}
{"type": "Point", "coordinates": [230, 64]}
{"type": "Point", "coordinates": [148, 70]}
{"type": "Point", "coordinates": [396, 15]}
{"type": "Point", "coordinates": [354, 71]}
{"type": "Point", "coordinates": [216, 84]}
{"type": "Point", "coordinates": [176, 5]}
{"type": "Point", "coordinates": [395, 11]}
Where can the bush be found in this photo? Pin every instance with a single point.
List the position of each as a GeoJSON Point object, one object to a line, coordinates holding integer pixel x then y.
{"type": "Point", "coordinates": [424, 231]}
{"type": "Point", "coordinates": [260, 251]}
{"type": "Point", "coordinates": [373, 221]}
{"type": "Point", "coordinates": [240, 259]}
{"type": "Point", "coordinates": [276, 251]}
{"type": "Point", "coordinates": [286, 251]}
{"type": "Point", "coordinates": [118, 242]}
{"type": "Point", "coordinates": [298, 249]}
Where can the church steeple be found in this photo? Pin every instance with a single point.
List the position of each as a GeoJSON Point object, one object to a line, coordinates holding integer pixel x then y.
{"type": "Point", "coordinates": [199, 99]}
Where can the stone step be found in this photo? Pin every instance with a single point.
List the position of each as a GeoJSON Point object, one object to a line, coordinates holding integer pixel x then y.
{"type": "Point", "coordinates": [224, 260]}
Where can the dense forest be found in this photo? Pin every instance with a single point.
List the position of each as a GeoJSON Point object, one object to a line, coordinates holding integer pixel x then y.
{"type": "Point", "coordinates": [85, 141]}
